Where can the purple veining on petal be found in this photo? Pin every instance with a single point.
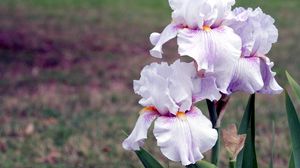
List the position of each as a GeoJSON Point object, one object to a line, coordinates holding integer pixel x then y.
{"type": "Point", "coordinates": [254, 74]}
{"type": "Point", "coordinates": [195, 133]}
{"type": "Point", "coordinates": [149, 115]}
{"type": "Point", "coordinates": [193, 112]}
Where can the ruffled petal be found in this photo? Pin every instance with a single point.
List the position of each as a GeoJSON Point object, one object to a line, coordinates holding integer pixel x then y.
{"type": "Point", "coordinates": [224, 9]}
{"type": "Point", "coordinates": [216, 51]}
{"type": "Point", "coordinates": [208, 89]}
{"type": "Point", "coordinates": [197, 13]}
{"type": "Point", "coordinates": [254, 74]}
{"type": "Point", "coordinates": [270, 84]}
{"type": "Point", "coordinates": [185, 138]}
{"type": "Point", "coordinates": [136, 139]}
{"type": "Point", "coordinates": [256, 29]}
{"type": "Point", "coordinates": [181, 84]}
{"type": "Point", "coordinates": [153, 86]}
{"type": "Point", "coordinates": [159, 39]}
{"type": "Point", "coordinates": [176, 4]}
{"type": "Point", "coordinates": [167, 87]}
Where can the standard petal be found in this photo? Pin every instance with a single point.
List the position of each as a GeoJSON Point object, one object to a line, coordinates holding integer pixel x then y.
{"type": "Point", "coordinates": [185, 138]}
{"type": "Point", "coordinates": [169, 88]}
{"type": "Point", "coordinates": [208, 89]}
{"type": "Point", "coordinates": [153, 86]}
{"type": "Point", "coordinates": [199, 13]}
{"type": "Point", "coordinates": [256, 29]}
{"type": "Point", "coordinates": [139, 133]}
{"type": "Point", "coordinates": [254, 74]}
{"type": "Point", "coordinates": [159, 39]}
{"type": "Point", "coordinates": [181, 84]}
{"type": "Point", "coordinates": [175, 4]}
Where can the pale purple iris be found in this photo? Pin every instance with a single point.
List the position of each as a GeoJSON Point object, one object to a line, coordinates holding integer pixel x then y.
{"type": "Point", "coordinates": [168, 93]}
{"type": "Point", "coordinates": [202, 35]}
{"type": "Point", "coordinates": [253, 72]}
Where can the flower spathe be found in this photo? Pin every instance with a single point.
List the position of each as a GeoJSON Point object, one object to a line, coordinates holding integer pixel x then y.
{"type": "Point", "coordinates": [201, 34]}
{"type": "Point", "coordinates": [253, 72]}
{"type": "Point", "coordinates": [168, 92]}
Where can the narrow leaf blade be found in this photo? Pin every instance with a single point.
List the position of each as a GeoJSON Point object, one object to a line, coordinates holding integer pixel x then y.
{"type": "Point", "coordinates": [294, 127]}
{"type": "Point", "coordinates": [244, 125]}
{"type": "Point", "coordinates": [295, 86]}
{"type": "Point", "coordinates": [247, 157]}
{"type": "Point", "coordinates": [147, 159]}
{"type": "Point", "coordinates": [292, 162]}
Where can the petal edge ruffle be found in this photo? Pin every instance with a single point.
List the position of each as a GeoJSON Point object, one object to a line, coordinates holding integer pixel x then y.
{"type": "Point", "coordinates": [185, 139]}
{"type": "Point", "coordinates": [136, 139]}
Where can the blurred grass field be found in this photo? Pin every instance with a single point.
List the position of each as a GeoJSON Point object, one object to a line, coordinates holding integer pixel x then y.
{"type": "Point", "coordinates": [66, 71]}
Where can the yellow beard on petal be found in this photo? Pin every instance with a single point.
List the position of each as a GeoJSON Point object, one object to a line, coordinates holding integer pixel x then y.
{"type": "Point", "coordinates": [181, 115]}
{"type": "Point", "coordinates": [149, 109]}
{"type": "Point", "coordinates": [206, 28]}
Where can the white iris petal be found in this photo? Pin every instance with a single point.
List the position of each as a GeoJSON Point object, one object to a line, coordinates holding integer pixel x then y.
{"type": "Point", "coordinates": [169, 91]}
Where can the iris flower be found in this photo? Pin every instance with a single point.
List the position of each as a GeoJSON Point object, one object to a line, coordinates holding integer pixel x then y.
{"type": "Point", "coordinates": [253, 72]}
{"type": "Point", "coordinates": [168, 93]}
{"type": "Point", "coordinates": [201, 34]}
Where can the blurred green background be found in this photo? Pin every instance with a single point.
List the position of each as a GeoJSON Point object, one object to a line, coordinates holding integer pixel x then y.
{"type": "Point", "coordinates": [66, 71]}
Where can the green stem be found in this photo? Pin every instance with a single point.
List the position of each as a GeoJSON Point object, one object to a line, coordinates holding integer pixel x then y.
{"type": "Point", "coordinates": [232, 163]}
{"type": "Point", "coordinates": [212, 112]}
{"type": "Point", "coordinates": [214, 117]}
{"type": "Point", "coordinates": [215, 151]}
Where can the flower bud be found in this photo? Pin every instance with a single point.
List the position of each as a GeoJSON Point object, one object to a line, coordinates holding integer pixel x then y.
{"type": "Point", "coordinates": [233, 142]}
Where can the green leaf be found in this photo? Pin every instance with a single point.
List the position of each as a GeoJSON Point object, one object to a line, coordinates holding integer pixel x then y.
{"type": "Point", "coordinates": [292, 162]}
{"type": "Point", "coordinates": [294, 126]}
{"type": "Point", "coordinates": [147, 159]}
{"type": "Point", "coordinates": [202, 164]}
{"type": "Point", "coordinates": [247, 157]}
{"type": "Point", "coordinates": [295, 86]}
